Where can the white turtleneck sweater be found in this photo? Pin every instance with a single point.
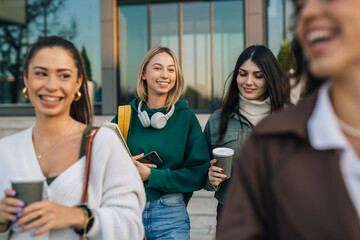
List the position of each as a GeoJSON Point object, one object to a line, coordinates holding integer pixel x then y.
{"type": "Point", "coordinates": [254, 110]}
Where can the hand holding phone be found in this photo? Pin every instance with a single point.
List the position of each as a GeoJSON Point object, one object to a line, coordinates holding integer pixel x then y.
{"type": "Point", "coordinates": [151, 158]}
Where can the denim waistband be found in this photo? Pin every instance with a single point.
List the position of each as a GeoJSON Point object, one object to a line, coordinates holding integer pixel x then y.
{"type": "Point", "coordinates": [166, 196]}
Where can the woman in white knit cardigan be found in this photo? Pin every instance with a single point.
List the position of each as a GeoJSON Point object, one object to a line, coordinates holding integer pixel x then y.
{"type": "Point", "coordinates": [56, 84]}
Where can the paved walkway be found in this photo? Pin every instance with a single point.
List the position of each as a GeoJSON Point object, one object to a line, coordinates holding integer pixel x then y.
{"type": "Point", "coordinates": [202, 212]}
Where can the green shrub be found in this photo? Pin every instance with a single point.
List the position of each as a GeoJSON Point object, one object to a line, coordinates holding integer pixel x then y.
{"type": "Point", "coordinates": [285, 57]}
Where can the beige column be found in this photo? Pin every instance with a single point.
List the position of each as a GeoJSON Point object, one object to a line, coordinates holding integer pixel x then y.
{"type": "Point", "coordinates": [254, 22]}
{"type": "Point", "coordinates": [109, 55]}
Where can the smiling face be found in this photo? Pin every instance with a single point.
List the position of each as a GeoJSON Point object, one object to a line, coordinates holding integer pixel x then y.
{"type": "Point", "coordinates": [251, 82]}
{"type": "Point", "coordinates": [160, 75]}
{"type": "Point", "coordinates": [52, 80]}
{"type": "Point", "coordinates": [329, 32]}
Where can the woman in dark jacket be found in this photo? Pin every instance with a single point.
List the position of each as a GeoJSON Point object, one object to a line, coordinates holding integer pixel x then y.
{"type": "Point", "coordinates": [258, 87]}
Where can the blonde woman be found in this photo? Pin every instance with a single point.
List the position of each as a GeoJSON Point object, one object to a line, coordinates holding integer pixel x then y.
{"type": "Point", "coordinates": [161, 122]}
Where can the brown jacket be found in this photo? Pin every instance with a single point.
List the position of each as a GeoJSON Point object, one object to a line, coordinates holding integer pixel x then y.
{"type": "Point", "coordinates": [282, 188]}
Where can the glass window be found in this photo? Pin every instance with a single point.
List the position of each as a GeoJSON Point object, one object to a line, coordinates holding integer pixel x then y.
{"type": "Point", "coordinates": [275, 25]}
{"type": "Point", "coordinates": [228, 38]}
{"type": "Point", "coordinates": [196, 54]}
{"type": "Point", "coordinates": [56, 17]}
{"type": "Point", "coordinates": [86, 35]}
{"type": "Point", "coordinates": [133, 47]}
{"type": "Point", "coordinates": [289, 19]}
{"type": "Point", "coordinates": [229, 42]}
{"type": "Point", "coordinates": [165, 26]}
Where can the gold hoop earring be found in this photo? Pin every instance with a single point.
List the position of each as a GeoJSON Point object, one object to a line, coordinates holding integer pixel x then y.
{"type": "Point", "coordinates": [25, 92]}
{"type": "Point", "coordinates": [77, 96]}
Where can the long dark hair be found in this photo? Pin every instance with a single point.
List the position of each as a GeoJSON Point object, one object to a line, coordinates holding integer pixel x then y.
{"type": "Point", "coordinates": [80, 110]}
{"type": "Point", "coordinates": [277, 83]}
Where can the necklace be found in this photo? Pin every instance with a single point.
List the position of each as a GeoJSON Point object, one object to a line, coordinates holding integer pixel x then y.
{"type": "Point", "coordinates": [39, 155]}
{"type": "Point", "coordinates": [348, 129]}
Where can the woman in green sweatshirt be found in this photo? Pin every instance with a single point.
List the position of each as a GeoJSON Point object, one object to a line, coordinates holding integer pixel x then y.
{"type": "Point", "coordinates": [161, 122]}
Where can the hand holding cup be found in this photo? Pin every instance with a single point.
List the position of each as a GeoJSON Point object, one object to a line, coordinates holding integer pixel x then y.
{"type": "Point", "coordinates": [24, 192]}
{"type": "Point", "coordinates": [224, 157]}
{"type": "Point", "coordinates": [216, 175]}
{"type": "Point", "coordinates": [28, 190]}
{"type": "Point", "coordinates": [8, 209]}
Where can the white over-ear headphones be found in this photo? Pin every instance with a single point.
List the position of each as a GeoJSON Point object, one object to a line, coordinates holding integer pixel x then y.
{"type": "Point", "coordinates": [158, 120]}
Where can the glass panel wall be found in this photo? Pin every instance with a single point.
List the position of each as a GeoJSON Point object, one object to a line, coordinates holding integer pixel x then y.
{"type": "Point", "coordinates": [45, 18]}
{"type": "Point", "coordinates": [133, 47]}
{"type": "Point", "coordinates": [275, 25]}
{"type": "Point", "coordinates": [196, 54]}
{"type": "Point", "coordinates": [229, 40]}
{"type": "Point", "coordinates": [164, 26]}
{"type": "Point", "coordinates": [289, 20]}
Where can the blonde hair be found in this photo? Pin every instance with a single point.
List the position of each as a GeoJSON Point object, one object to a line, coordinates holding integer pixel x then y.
{"type": "Point", "coordinates": [175, 92]}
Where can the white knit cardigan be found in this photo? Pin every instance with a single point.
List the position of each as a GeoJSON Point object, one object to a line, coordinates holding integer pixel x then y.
{"type": "Point", "coordinates": [116, 193]}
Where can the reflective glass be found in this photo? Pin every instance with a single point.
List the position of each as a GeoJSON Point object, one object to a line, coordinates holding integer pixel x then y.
{"type": "Point", "coordinates": [275, 25]}
{"type": "Point", "coordinates": [196, 54]}
{"type": "Point", "coordinates": [229, 42]}
{"type": "Point", "coordinates": [45, 18]}
{"type": "Point", "coordinates": [165, 26]}
{"type": "Point", "coordinates": [289, 19]}
{"type": "Point", "coordinates": [228, 38]}
{"type": "Point", "coordinates": [133, 47]}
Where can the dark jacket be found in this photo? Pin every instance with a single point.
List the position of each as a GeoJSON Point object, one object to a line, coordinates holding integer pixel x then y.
{"type": "Point", "coordinates": [282, 188]}
{"type": "Point", "coordinates": [236, 132]}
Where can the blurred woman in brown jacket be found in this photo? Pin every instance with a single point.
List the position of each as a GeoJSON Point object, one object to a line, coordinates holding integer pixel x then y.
{"type": "Point", "coordinates": [298, 174]}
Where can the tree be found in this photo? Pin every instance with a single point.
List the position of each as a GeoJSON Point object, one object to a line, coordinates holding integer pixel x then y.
{"type": "Point", "coordinates": [285, 57]}
{"type": "Point", "coordinates": [15, 40]}
{"type": "Point", "coordinates": [87, 62]}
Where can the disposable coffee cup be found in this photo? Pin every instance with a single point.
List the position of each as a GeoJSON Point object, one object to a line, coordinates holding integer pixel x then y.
{"type": "Point", "coordinates": [28, 190]}
{"type": "Point", "coordinates": [224, 157]}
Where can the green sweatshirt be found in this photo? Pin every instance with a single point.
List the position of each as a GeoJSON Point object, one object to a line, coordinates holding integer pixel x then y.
{"type": "Point", "coordinates": [180, 144]}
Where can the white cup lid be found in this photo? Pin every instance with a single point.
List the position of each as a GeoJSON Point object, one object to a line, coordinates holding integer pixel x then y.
{"type": "Point", "coordinates": [26, 180]}
{"type": "Point", "coordinates": [222, 152]}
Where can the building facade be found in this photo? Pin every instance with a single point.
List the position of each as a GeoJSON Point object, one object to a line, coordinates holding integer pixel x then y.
{"type": "Point", "coordinates": [113, 36]}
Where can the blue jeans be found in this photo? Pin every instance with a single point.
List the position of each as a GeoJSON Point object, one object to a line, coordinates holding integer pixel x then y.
{"type": "Point", "coordinates": [167, 218]}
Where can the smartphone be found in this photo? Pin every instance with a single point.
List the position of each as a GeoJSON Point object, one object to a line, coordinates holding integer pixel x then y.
{"type": "Point", "coordinates": [151, 158]}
